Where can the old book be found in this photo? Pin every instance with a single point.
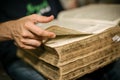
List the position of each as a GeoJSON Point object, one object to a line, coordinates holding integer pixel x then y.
{"type": "Point", "coordinates": [65, 53]}
{"type": "Point", "coordinates": [62, 70]}
{"type": "Point", "coordinates": [79, 68]}
{"type": "Point", "coordinates": [81, 46]}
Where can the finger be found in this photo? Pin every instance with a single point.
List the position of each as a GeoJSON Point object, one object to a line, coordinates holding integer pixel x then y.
{"type": "Point", "coordinates": [24, 46]}
{"type": "Point", "coordinates": [29, 35]}
{"type": "Point", "coordinates": [28, 47]}
{"type": "Point", "coordinates": [39, 32]}
{"type": "Point", "coordinates": [31, 42]}
{"type": "Point", "coordinates": [43, 19]}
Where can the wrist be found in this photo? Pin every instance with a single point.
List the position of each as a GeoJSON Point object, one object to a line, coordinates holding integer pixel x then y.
{"type": "Point", "coordinates": [5, 31]}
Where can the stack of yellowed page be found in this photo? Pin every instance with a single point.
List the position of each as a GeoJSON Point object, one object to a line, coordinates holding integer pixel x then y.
{"type": "Point", "coordinates": [82, 45]}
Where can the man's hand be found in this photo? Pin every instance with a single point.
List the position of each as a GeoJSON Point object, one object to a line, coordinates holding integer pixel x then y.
{"type": "Point", "coordinates": [26, 34]}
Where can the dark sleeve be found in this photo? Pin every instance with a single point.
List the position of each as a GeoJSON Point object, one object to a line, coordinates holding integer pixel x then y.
{"type": "Point", "coordinates": [3, 18]}
{"type": "Point", "coordinates": [11, 10]}
{"type": "Point", "coordinates": [56, 7]}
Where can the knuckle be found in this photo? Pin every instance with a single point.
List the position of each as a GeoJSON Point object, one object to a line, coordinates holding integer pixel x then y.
{"type": "Point", "coordinates": [21, 40]}
{"type": "Point", "coordinates": [24, 34]}
{"type": "Point", "coordinates": [34, 15]}
{"type": "Point", "coordinates": [38, 44]}
{"type": "Point", "coordinates": [22, 46]}
{"type": "Point", "coordinates": [27, 24]}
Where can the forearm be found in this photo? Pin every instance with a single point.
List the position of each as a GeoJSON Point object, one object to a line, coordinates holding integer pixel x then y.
{"type": "Point", "coordinates": [5, 33]}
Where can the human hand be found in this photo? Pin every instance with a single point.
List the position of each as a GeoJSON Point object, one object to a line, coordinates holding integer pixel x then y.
{"type": "Point", "coordinates": [26, 34]}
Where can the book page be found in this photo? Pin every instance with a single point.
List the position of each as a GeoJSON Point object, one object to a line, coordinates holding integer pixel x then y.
{"type": "Point", "coordinates": [62, 31]}
{"type": "Point", "coordinates": [100, 12]}
{"type": "Point", "coordinates": [88, 28]}
{"type": "Point", "coordinates": [91, 19]}
{"type": "Point", "coordinates": [74, 27]}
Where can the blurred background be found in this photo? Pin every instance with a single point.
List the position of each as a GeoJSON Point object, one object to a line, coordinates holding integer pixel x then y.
{"type": "Point", "coordinates": [70, 4]}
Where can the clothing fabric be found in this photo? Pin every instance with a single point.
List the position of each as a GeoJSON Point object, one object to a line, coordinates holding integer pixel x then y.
{"type": "Point", "coordinates": [19, 70]}
{"type": "Point", "coordinates": [15, 9]}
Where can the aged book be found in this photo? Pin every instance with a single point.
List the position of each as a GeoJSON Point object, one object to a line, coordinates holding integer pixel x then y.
{"type": "Point", "coordinates": [55, 73]}
{"type": "Point", "coordinates": [77, 59]}
{"type": "Point", "coordinates": [81, 46]}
